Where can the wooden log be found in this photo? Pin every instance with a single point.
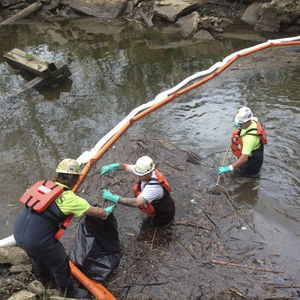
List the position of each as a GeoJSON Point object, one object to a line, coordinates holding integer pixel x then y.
{"type": "Point", "coordinates": [30, 63]}
{"type": "Point", "coordinates": [56, 76]}
{"type": "Point", "coordinates": [23, 13]}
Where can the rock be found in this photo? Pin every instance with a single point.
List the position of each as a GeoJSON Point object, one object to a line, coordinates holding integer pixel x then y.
{"type": "Point", "coordinates": [250, 15]}
{"type": "Point", "coordinates": [203, 35]}
{"type": "Point", "coordinates": [23, 277]}
{"type": "Point", "coordinates": [214, 23]}
{"type": "Point", "coordinates": [104, 9]}
{"type": "Point", "coordinates": [170, 10]}
{"type": "Point", "coordinates": [36, 287]}
{"type": "Point", "coordinates": [6, 3]}
{"type": "Point", "coordinates": [20, 268]}
{"type": "Point", "coordinates": [23, 295]}
{"type": "Point", "coordinates": [189, 24]}
{"type": "Point", "coordinates": [53, 293]}
{"type": "Point", "coordinates": [277, 14]}
{"type": "Point", "coordinates": [13, 255]}
{"type": "Point", "coordinates": [11, 283]}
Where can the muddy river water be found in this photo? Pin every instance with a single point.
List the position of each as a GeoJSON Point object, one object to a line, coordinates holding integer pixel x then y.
{"type": "Point", "coordinates": [116, 68]}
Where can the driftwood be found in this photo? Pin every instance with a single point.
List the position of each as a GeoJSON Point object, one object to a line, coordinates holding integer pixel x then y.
{"type": "Point", "coordinates": [182, 254]}
{"type": "Point", "coordinates": [23, 13]}
{"type": "Point", "coordinates": [192, 225]}
{"type": "Point", "coordinates": [225, 263]}
{"type": "Point", "coordinates": [147, 21]}
{"type": "Point", "coordinates": [30, 63]}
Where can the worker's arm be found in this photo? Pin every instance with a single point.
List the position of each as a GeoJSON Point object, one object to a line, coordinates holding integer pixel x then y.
{"type": "Point", "coordinates": [99, 212]}
{"type": "Point", "coordinates": [114, 167]}
{"type": "Point", "coordinates": [133, 202]}
{"type": "Point", "coordinates": [239, 162]}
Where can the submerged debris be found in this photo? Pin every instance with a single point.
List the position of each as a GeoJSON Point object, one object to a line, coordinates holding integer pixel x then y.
{"type": "Point", "coordinates": [210, 251]}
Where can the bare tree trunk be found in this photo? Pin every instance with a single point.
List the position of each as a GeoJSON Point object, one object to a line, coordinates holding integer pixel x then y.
{"type": "Point", "coordinates": [23, 13]}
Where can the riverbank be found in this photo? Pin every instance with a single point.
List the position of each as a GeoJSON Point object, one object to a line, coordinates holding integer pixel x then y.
{"type": "Point", "coordinates": [207, 19]}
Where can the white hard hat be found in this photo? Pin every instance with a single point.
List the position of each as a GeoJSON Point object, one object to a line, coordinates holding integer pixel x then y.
{"type": "Point", "coordinates": [68, 166]}
{"type": "Point", "coordinates": [143, 166]}
{"type": "Point", "coordinates": [243, 115]}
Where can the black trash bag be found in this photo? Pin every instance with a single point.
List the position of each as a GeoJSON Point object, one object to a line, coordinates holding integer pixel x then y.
{"type": "Point", "coordinates": [96, 247]}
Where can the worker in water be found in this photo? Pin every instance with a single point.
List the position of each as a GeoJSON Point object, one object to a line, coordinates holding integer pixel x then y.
{"type": "Point", "coordinates": [152, 191]}
{"type": "Point", "coordinates": [248, 141]}
{"type": "Point", "coordinates": [36, 225]}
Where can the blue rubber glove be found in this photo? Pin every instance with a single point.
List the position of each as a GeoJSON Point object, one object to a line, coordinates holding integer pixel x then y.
{"type": "Point", "coordinates": [225, 169]}
{"type": "Point", "coordinates": [107, 195]}
{"type": "Point", "coordinates": [109, 210]}
{"type": "Point", "coordinates": [236, 124]}
{"type": "Point", "coordinates": [109, 168]}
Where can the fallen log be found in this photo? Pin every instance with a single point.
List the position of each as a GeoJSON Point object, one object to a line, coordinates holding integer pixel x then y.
{"type": "Point", "coordinates": [23, 13]}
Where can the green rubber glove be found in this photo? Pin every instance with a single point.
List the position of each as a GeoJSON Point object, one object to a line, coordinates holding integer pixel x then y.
{"type": "Point", "coordinates": [236, 124]}
{"type": "Point", "coordinates": [109, 168]}
{"type": "Point", "coordinates": [225, 169]}
{"type": "Point", "coordinates": [107, 195]}
{"type": "Point", "coordinates": [109, 210]}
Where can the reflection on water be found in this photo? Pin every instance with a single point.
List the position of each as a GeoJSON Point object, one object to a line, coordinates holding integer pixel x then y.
{"type": "Point", "coordinates": [116, 68]}
{"type": "Point", "coordinates": [250, 197]}
{"type": "Point", "coordinates": [55, 91]}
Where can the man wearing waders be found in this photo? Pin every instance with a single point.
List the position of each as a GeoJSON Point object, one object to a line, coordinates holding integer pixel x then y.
{"type": "Point", "coordinates": [247, 144]}
{"type": "Point", "coordinates": [35, 227]}
{"type": "Point", "coordinates": [152, 191]}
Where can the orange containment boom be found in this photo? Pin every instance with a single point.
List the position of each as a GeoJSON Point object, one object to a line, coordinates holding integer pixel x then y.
{"type": "Point", "coordinates": [97, 289]}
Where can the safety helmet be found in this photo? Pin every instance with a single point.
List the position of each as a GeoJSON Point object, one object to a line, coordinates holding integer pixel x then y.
{"type": "Point", "coordinates": [68, 166]}
{"type": "Point", "coordinates": [143, 166]}
{"type": "Point", "coordinates": [243, 115]}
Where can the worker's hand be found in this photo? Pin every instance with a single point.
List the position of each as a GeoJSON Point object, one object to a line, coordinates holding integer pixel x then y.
{"type": "Point", "coordinates": [109, 210]}
{"type": "Point", "coordinates": [107, 195]}
{"type": "Point", "coordinates": [225, 169]}
{"type": "Point", "coordinates": [109, 168]}
{"type": "Point", "coordinates": [236, 125]}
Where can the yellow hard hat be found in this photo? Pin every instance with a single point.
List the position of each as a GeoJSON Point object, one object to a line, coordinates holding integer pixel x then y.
{"type": "Point", "coordinates": [68, 166]}
{"type": "Point", "coordinates": [143, 166]}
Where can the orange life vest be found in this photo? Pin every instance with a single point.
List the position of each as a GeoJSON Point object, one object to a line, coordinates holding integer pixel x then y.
{"type": "Point", "coordinates": [41, 195]}
{"type": "Point", "coordinates": [237, 142]}
{"type": "Point", "coordinates": [147, 208]}
{"type": "Point", "coordinates": [38, 198]}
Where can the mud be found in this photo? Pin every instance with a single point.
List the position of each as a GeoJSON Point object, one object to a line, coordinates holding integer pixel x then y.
{"type": "Point", "coordinates": [188, 260]}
